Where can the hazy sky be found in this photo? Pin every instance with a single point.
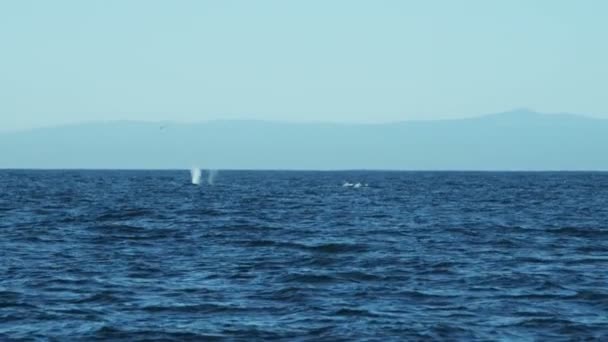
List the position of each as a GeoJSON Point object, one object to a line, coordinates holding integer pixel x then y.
{"type": "Point", "coordinates": [328, 60]}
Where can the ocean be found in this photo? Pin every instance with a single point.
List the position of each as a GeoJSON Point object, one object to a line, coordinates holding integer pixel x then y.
{"type": "Point", "coordinates": [290, 255]}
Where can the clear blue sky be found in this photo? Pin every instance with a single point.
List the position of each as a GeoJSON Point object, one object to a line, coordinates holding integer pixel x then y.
{"type": "Point", "coordinates": [331, 60]}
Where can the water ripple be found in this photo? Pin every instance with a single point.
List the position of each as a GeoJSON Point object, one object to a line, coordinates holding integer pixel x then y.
{"type": "Point", "coordinates": [144, 255]}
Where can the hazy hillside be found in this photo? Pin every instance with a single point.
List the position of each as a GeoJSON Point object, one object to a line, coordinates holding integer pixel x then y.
{"type": "Point", "coordinates": [518, 140]}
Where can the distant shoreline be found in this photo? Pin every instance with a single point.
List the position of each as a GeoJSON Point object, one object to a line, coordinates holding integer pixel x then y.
{"type": "Point", "coordinates": [509, 141]}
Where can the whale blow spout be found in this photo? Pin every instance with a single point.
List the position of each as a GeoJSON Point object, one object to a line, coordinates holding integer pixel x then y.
{"type": "Point", "coordinates": [195, 173]}
{"type": "Point", "coordinates": [211, 176]}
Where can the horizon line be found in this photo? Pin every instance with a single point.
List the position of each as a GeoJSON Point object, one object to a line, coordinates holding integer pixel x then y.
{"type": "Point", "coordinates": [312, 170]}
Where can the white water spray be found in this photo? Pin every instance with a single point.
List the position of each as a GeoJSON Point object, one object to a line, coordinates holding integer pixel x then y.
{"type": "Point", "coordinates": [211, 176]}
{"type": "Point", "coordinates": [354, 185]}
{"type": "Point", "coordinates": [195, 172]}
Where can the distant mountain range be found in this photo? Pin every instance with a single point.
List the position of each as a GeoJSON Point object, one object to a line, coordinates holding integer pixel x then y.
{"type": "Point", "coordinates": [515, 140]}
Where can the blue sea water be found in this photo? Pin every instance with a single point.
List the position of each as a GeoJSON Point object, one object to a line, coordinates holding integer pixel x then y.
{"type": "Point", "coordinates": [146, 255]}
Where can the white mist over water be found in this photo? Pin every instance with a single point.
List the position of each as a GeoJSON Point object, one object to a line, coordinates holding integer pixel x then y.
{"type": "Point", "coordinates": [354, 185]}
{"type": "Point", "coordinates": [195, 172]}
{"type": "Point", "coordinates": [211, 176]}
